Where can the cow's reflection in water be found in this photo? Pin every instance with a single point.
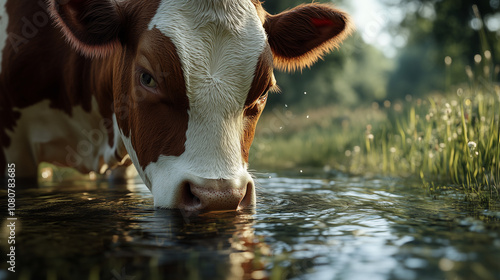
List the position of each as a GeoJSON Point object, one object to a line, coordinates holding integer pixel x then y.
{"type": "Point", "coordinates": [203, 246]}
{"type": "Point", "coordinates": [78, 229]}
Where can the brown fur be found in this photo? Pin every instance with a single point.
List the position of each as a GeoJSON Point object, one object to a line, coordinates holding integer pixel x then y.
{"type": "Point", "coordinates": [256, 100]}
{"type": "Point", "coordinates": [92, 27]}
{"type": "Point", "coordinates": [297, 42]}
{"type": "Point", "coordinates": [44, 67]}
{"type": "Point", "coordinates": [155, 122]}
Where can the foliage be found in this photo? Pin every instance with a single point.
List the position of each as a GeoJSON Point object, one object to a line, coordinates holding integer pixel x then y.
{"type": "Point", "coordinates": [453, 138]}
{"type": "Point", "coordinates": [455, 30]}
{"type": "Point", "coordinates": [355, 73]}
{"type": "Point", "coordinates": [317, 138]}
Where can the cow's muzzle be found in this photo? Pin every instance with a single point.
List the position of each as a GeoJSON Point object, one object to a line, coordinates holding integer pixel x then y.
{"type": "Point", "coordinates": [199, 194]}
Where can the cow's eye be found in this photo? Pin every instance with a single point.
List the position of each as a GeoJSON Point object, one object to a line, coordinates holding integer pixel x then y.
{"type": "Point", "coordinates": [148, 81]}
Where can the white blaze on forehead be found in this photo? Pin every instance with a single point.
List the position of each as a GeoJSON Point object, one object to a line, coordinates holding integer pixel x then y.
{"type": "Point", "coordinates": [4, 20]}
{"type": "Point", "coordinates": [219, 43]}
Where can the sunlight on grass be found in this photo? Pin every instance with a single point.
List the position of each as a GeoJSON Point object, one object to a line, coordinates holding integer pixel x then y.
{"type": "Point", "coordinates": [451, 139]}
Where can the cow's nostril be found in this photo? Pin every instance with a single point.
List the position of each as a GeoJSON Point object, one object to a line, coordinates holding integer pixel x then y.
{"type": "Point", "coordinates": [248, 198]}
{"type": "Point", "coordinates": [189, 200]}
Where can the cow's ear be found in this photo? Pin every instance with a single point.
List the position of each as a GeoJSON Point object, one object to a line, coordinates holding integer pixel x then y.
{"type": "Point", "coordinates": [92, 27]}
{"type": "Point", "coordinates": [299, 37]}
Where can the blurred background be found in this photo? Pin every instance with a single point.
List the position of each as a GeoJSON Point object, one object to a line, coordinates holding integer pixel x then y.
{"type": "Point", "coordinates": [405, 53]}
{"type": "Point", "coordinates": [399, 49]}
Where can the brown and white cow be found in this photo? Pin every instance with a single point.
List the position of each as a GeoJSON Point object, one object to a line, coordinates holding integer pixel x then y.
{"type": "Point", "coordinates": [178, 85]}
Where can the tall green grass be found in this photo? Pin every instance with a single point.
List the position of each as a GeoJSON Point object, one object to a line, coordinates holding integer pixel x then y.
{"type": "Point", "coordinates": [450, 139]}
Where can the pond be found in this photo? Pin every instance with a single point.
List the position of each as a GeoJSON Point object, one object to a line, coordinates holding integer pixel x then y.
{"type": "Point", "coordinates": [303, 227]}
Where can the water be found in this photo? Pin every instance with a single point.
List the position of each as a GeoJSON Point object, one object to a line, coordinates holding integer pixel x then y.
{"type": "Point", "coordinates": [302, 228]}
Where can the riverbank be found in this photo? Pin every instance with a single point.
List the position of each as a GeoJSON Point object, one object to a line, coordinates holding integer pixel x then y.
{"type": "Point", "coordinates": [446, 140]}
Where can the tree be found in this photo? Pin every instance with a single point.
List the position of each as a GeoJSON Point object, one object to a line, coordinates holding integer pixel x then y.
{"type": "Point", "coordinates": [455, 30]}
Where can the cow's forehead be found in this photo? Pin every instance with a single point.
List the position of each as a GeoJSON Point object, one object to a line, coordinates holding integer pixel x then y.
{"type": "Point", "coordinates": [218, 42]}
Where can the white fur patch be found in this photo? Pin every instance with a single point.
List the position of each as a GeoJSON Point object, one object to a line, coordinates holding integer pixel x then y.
{"type": "Point", "coordinates": [127, 142]}
{"type": "Point", "coordinates": [219, 43]}
{"type": "Point", "coordinates": [46, 134]}
{"type": "Point", "coordinates": [4, 20]}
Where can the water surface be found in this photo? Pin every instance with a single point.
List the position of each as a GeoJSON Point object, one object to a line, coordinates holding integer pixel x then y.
{"type": "Point", "coordinates": [316, 227]}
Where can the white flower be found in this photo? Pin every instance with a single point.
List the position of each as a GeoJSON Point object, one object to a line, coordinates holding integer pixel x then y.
{"type": "Point", "coordinates": [472, 145]}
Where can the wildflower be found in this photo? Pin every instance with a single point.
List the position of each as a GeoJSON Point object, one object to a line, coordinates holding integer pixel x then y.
{"type": "Point", "coordinates": [357, 149]}
{"type": "Point", "coordinates": [370, 136]}
{"type": "Point", "coordinates": [392, 150]}
{"type": "Point", "coordinates": [472, 145]}
{"type": "Point", "coordinates": [447, 111]}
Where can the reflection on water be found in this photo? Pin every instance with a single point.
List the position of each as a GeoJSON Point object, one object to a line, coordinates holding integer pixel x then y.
{"type": "Point", "coordinates": [326, 228]}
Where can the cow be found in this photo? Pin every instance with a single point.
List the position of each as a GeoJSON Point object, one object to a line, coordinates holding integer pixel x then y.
{"type": "Point", "coordinates": [174, 86]}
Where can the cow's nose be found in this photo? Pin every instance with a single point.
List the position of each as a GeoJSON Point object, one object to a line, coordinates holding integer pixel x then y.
{"type": "Point", "coordinates": [217, 194]}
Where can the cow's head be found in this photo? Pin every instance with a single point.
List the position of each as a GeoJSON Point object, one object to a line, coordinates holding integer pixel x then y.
{"type": "Point", "coordinates": [189, 80]}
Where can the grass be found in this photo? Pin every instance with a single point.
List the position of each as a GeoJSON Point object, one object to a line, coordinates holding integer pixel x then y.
{"type": "Point", "coordinates": [449, 139]}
